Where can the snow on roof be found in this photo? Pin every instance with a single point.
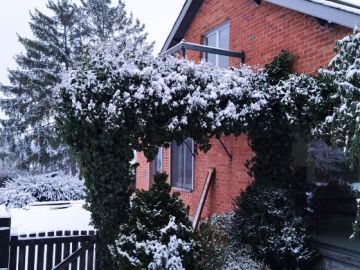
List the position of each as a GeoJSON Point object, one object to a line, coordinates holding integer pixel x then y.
{"type": "Point", "coordinates": [352, 6]}
{"type": "Point", "coordinates": [354, 3]}
{"type": "Point", "coordinates": [45, 217]}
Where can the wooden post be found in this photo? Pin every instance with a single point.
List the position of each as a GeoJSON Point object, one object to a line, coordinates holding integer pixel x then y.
{"type": "Point", "coordinates": [5, 226]}
{"type": "Point", "coordinates": [203, 196]}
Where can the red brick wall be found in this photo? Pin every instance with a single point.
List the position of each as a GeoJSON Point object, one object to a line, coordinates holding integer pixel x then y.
{"type": "Point", "coordinates": [261, 31]}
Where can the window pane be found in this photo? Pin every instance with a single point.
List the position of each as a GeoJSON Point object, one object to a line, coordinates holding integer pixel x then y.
{"type": "Point", "coordinates": [224, 41]}
{"type": "Point", "coordinates": [182, 164]}
{"type": "Point", "coordinates": [333, 195]}
{"type": "Point", "coordinates": [211, 41]}
{"type": "Point", "coordinates": [188, 175]}
{"type": "Point", "coordinates": [157, 163]}
{"type": "Point", "coordinates": [177, 164]}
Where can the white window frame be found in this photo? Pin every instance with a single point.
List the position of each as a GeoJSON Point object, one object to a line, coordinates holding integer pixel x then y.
{"type": "Point", "coordinates": [216, 30]}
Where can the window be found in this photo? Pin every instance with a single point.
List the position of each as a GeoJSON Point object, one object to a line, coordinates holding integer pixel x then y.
{"type": "Point", "coordinates": [182, 164]}
{"type": "Point", "coordinates": [333, 188]}
{"type": "Point", "coordinates": [218, 38]}
{"type": "Point", "coordinates": [157, 162]}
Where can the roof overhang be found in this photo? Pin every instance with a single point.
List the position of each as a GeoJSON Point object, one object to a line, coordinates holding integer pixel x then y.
{"type": "Point", "coordinates": [318, 10]}
{"type": "Point", "coordinates": [182, 23]}
{"type": "Point", "coordinates": [321, 11]}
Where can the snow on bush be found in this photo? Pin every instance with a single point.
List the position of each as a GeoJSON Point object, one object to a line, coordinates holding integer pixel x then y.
{"type": "Point", "coordinates": [342, 78]}
{"type": "Point", "coordinates": [113, 85]}
{"type": "Point", "coordinates": [158, 234]}
{"type": "Point", "coordinates": [241, 260]}
{"type": "Point", "coordinates": [218, 253]}
{"type": "Point", "coordinates": [265, 220]}
{"type": "Point", "coordinates": [24, 190]}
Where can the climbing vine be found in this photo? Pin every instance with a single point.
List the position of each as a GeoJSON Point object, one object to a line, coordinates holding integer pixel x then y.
{"type": "Point", "coordinates": [120, 101]}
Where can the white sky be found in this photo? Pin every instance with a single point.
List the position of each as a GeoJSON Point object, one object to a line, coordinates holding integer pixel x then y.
{"type": "Point", "coordinates": [157, 15]}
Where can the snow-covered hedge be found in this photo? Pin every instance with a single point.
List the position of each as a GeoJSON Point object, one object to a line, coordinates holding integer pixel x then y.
{"type": "Point", "coordinates": [121, 100]}
{"type": "Point", "coordinates": [180, 96]}
{"type": "Point", "coordinates": [24, 190]}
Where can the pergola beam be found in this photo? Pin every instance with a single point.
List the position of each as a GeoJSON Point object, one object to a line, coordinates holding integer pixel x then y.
{"type": "Point", "coordinates": [183, 46]}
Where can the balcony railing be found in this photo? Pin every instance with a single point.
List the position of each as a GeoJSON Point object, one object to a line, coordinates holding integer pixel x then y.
{"type": "Point", "coordinates": [183, 46]}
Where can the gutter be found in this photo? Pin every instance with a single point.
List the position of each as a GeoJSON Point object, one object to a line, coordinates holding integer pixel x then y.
{"type": "Point", "coordinates": [321, 11]}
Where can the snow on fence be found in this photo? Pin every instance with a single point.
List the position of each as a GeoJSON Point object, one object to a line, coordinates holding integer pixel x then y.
{"type": "Point", "coordinates": [61, 249]}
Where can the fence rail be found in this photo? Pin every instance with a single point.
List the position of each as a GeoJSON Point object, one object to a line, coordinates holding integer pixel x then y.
{"type": "Point", "coordinates": [55, 250]}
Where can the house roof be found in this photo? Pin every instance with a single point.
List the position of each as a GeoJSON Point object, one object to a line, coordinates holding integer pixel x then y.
{"type": "Point", "coordinates": [342, 12]}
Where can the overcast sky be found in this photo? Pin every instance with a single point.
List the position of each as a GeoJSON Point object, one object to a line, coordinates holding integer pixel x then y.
{"type": "Point", "coordinates": [157, 15]}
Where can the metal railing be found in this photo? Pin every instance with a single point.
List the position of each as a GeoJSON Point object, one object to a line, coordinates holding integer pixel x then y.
{"type": "Point", "coordinates": [183, 46]}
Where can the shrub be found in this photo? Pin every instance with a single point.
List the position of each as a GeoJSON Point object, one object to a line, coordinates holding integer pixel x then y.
{"type": "Point", "coordinates": [356, 224]}
{"type": "Point", "coordinates": [214, 239]}
{"type": "Point", "coordinates": [24, 190]}
{"type": "Point", "coordinates": [241, 260]}
{"type": "Point", "coordinates": [264, 219]}
{"type": "Point", "coordinates": [158, 233]}
{"type": "Point", "coordinates": [217, 251]}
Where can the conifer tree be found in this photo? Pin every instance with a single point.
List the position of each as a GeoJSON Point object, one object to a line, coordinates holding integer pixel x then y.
{"type": "Point", "coordinates": [28, 136]}
{"type": "Point", "coordinates": [102, 22]}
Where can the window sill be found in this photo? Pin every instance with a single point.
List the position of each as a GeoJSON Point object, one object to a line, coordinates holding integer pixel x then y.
{"type": "Point", "coordinates": [178, 189]}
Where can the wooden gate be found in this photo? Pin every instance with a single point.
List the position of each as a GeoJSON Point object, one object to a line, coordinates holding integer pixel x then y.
{"type": "Point", "coordinates": [56, 250]}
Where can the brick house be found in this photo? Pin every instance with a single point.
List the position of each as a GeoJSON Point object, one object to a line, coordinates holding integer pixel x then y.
{"type": "Point", "coordinates": [259, 29]}
{"type": "Point", "coordinates": [254, 31]}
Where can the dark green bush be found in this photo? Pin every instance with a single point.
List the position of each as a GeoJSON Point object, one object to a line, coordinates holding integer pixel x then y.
{"type": "Point", "coordinates": [214, 239]}
{"type": "Point", "coordinates": [218, 253]}
{"type": "Point", "coordinates": [158, 234]}
{"type": "Point", "coordinates": [264, 219]}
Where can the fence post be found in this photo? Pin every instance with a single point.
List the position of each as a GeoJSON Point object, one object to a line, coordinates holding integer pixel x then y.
{"type": "Point", "coordinates": [5, 226]}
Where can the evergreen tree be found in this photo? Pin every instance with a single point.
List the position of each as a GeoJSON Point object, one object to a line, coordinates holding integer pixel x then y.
{"type": "Point", "coordinates": [158, 233]}
{"type": "Point", "coordinates": [102, 22]}
{"type": "Point", "coordinates": [28, 136]}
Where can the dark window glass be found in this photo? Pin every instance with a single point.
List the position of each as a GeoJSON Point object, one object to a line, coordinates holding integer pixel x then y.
{"type": "Point", "coordinates": [333, 188]}
{"type": "Point", "coordinates": [182, 164]}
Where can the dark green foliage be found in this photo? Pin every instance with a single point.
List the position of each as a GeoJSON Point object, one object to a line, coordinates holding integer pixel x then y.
{"type": "Point", "coordinates": [104, 139]}
{"type": "Point", "coordinates": [266, 221]}
{"type": "Point", "coordinates": [60, 42]}
{"type": "Point", "coordinates": [109, 181]}
{"type": "Point", "coordinates": [156, 217]}
{"type": "Point", "coordinates": [356, 224]}
{"type": "Point", "coordinates": [341, 84]}
{"type": "Point", "coordinates": [281, 67]}
{"type": "Point", "coordinates": [214, 239]}
{"type": "Point", "coordinates": [218, 252]}
{"type": "Point", "coordinates": [265, 214]}
{"type": "Point", "coordinates": [271, 136]}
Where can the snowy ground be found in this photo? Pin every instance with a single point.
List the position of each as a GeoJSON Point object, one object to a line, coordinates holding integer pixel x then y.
{"type": "Point", "coordinates": [44, 217]}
